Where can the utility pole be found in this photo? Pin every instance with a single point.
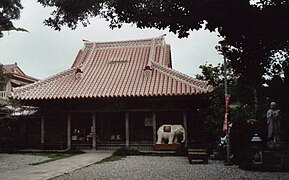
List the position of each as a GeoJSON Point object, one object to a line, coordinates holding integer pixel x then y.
{"type": "Point", "coordinates": [224, 48]}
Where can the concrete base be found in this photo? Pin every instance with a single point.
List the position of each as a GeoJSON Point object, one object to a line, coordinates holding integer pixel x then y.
{"type": "Point", "coordinates": [167, 147]}
{"type": "Point", "coordinates": [276, 158]}
{"type": "Point", "coordinates": [276, 145]}
{"type": "Point", "coordinates": [273, 161]}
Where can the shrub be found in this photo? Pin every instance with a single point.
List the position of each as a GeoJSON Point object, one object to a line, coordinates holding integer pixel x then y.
{"type": "Point", "coordinates": [126, 151]}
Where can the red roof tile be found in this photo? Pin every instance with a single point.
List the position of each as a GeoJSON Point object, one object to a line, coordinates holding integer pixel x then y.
{"type": "Point", "coordinates": [116, 69]}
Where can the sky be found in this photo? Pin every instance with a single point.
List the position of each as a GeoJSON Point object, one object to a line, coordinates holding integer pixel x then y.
{"type": "Point", "coordinates": [44, 52]}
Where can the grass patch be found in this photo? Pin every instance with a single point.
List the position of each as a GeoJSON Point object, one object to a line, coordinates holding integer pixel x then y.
{"type": "Point", "coordinates": [120, 153]}
{"type": "Point", "coordinates": [126, 151]}
{"type": "Point", "coordinates": [53, 156]}
{"type": "Point", "coordinates": [110, 159]}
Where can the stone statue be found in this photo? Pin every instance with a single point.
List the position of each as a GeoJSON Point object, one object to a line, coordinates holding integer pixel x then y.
{"type": "Point", "coordinates": [273, 123]}
{"type": "Point", "coordinates": [170, 133]}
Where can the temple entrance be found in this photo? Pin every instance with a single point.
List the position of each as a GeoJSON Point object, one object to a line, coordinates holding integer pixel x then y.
{"type": "Point", "coordinates": [111, 128]}
{"type": "Point", "coordinates": [81, 130]}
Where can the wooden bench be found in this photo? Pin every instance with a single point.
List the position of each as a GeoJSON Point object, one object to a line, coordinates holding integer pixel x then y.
{"type": "Point", "coordinates": [199, 154]}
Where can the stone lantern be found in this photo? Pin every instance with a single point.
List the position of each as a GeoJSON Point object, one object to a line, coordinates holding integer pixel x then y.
{"type": "Point", "coordinates": [256, 143]}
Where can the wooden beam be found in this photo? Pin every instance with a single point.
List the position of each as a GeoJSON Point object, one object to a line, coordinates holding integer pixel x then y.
{"type": "Point", "coordinates": [125, 110]}
{"type": "Point", "coordinates": [126, 129]}
{"type": "Point", "coordinates": [68, 131]}
{"type": "Point", "coordinates": [42, 130]}
{"type": "Point", "coordinates": [94, 130]}
{"type": "Point", "coordinates": [185, 123]}
{"type": "Point", "coordinates": [154, 127]}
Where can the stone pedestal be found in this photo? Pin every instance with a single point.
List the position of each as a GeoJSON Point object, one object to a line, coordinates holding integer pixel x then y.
{"type": "Point", "coordinates": [276, 158]}
{"type": "Point", "coordinates": [276, 145]}
{"type": "Point", "coordinates": [167, 147]}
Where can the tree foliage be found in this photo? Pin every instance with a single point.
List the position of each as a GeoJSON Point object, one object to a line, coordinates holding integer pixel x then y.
{"type": "Point", "coordinates": [246, 120]}
{"type": "Point", "coordinates": [180, 16]}
{"type": "Point", "coordinates": [241, 103]}
{"type": "Point", "coordinates": [3, 77]}
{"type": "Point", "coordinates": [247, 116]}
{"type": "Point", "coordinates": [9, 11]}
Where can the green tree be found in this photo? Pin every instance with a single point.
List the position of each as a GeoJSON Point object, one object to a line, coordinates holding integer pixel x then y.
{"type": "Point", "coordinates": [3, 77]}
{"type": "Point", "coordinates": [241, 109]}
{"type": "Point", "coordinates": [9, 11]}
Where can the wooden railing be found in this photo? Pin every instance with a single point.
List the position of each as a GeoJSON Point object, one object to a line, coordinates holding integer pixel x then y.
{"type": "Point", "coordinates": [3, 94]}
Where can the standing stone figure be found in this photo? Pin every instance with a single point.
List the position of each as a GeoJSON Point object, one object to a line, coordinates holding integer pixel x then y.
{"type": "Point", "coordinates": [273, 123]}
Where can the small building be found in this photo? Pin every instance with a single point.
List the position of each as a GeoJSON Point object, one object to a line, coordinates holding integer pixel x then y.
{"type": "Point", "coordinates": [16, 78]}
{"type": "Point", "coordinates": [115, 94]}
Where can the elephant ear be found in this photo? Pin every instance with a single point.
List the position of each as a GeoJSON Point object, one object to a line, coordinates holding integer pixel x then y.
{"type": "Point", "coordinates": [167, 128]}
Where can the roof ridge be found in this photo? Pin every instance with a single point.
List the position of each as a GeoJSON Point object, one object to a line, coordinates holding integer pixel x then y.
{"type": "Point", "coordinates": [145, 42]}
{"type": "Point", "coordinates": [9, 65]}
{"type": "Point", "coordinates": [193, 82]}
{"type": "Point", "coordinates": [91, 53]}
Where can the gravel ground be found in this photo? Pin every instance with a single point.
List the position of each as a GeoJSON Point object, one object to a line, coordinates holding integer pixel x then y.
{"type": "Point", "coordinates": [10, 162]}
{"type": "Point", "coordinates": [150, 167]}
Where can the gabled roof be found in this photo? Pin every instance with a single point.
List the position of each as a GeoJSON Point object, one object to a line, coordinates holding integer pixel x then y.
{"type": "Point", "coordinates": [138, 68]}
{"type": "Point", "coordinates": [13, 68]}
{"type": "Point", "coordinates": [16, 73]}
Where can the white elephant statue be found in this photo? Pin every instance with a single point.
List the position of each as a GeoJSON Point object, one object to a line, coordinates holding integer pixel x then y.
{"type": "Point", "coordinates": [170, 133]}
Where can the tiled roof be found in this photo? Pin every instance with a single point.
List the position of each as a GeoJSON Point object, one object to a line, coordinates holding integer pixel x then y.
{"type": "Point", "coordinates": [138, 68]}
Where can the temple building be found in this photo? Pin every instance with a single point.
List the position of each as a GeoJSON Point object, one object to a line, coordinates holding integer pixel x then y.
{"type": "Point", "coordinates": [16, 78]}
{"type": "Point", "coordinates": [115, 94]}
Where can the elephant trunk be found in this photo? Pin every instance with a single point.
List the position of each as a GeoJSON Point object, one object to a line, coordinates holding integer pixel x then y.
{"type": "Point", "coordinates": [184, 137]}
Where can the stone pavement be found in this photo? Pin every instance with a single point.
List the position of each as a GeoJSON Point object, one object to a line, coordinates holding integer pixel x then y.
{"type": "Point", "coordinates": [56, 168]}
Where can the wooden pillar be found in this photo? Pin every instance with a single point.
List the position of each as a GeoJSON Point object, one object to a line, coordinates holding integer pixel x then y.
{"type": "Point", "coordinates": [154, 127]}
{"type": "Point", "coordinates": [68, 131]}
{"type": "Point", "coordinates": [42, 131]}
{"type": "Point", "coordinates": [185, 122]}
{"type": "Point", "coordinates": [126, 129]}
{"type": "Point", "coordinates": [94, 130]}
